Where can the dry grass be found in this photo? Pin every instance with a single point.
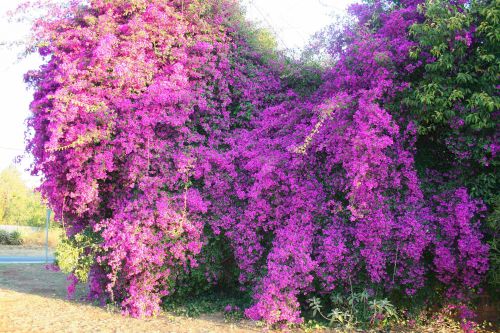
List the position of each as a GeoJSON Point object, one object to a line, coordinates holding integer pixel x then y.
{"type": "Point", "coordinates": [38, 238]}
{"type": "Point", "coordinates": [24, 251]}
{"type": "Point", "coordinates": [22, 312]}
{"type": "Point", "coordinates": [33, 299]}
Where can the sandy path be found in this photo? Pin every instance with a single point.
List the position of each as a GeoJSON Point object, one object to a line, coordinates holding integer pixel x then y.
{"type": "Point", "coordinates": [32, 299]}
{"type": "Point", "coordinates": [24, 251]}
{"type": "Point", "coordinates": [22, 312]}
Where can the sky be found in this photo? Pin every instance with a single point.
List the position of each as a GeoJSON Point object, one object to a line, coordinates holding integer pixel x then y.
{"type": "Point", "coordinates": [292, 21]}
{"type": "Point", "coordinates": [14, 96]}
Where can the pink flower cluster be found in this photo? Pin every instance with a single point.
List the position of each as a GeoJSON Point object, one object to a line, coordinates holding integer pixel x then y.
{"type": "Point", "coordinates": [154, 120]}
{"type": "Point", "coordinates": [129, 109]}
{"type": "Point", "coordinates": [460, 257]}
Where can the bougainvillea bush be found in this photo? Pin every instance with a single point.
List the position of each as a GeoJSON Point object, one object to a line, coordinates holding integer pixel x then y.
{"type": "Point", "coordinates": [175, 146]}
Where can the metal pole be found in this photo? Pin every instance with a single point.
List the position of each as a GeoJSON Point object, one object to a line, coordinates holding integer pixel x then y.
{"type": "Point", "coordinates": [47, 221]}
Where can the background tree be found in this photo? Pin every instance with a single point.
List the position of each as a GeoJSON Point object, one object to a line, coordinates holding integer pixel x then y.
{"type": "Point", "coordinates": [453, 96]}
{"type": "Point", "coordinates": [19, 204]}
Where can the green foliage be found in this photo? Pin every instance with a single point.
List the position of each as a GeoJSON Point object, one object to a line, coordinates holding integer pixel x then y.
{"type": "Point", "coordinates": [355, 310]}
{"type": "Point", "coordinates": [19, 204]}
{"type": "Point", "coordinates": [461, 74]}
{"type": "Point", "coordinates": [207, 303]}
{"type": "Point", "coordinates": [263, 41]}
{"type": "Point", "coordinates": [303, 76]}
{"type": "Point", "coordinates": [4, 237]}
{"type": "Point", "coordinates": [454, 98]}
{"type": "Point", "coordinates": [10, 238]}
{"type": "Point", "coordinates": [494, 225]}
{"type": "Point", "coordinates": [260, 39]}
{"type": "Point", "coordinates": [216, 273]}
{"type": "Point", "coordinates": [210, 286]}
{"type": "Point", "coordinates": [76, 254]}
{"type": "Point", "coordinates": [454, 94]}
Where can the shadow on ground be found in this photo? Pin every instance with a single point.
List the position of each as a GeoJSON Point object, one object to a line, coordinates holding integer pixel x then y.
{"type": "Point", "coordinates": [33, 299]}
{"type": "Point", "coordinates": [35, 279]}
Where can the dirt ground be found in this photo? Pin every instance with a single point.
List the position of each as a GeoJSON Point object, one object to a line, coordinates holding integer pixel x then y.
{"type": "Point", "coordinates": [24, 251]}
{"type": "Point", "coordinates": [33, 299]}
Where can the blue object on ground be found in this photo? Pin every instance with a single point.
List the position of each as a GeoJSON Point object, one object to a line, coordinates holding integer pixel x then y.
{"type": "Point", "coordinates": [26, 260]}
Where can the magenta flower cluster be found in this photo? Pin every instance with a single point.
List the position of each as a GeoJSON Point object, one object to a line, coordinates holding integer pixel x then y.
{"type": "Point", "coordinates": [155, 120]}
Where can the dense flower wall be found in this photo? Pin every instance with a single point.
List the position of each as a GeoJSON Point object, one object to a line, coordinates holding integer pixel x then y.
{"type": "Point", "coordinates": [158, 126]}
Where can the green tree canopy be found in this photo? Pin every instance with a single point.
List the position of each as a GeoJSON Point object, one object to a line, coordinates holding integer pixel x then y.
{"type": "Point", "coordinates": [19, 204]}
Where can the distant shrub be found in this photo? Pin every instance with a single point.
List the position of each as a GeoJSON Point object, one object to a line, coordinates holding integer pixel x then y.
{"type": "Point", "coordinates": [10, 238]}
{"type": "Point", "coordinates": [15, 238]}
{"type": "Point", "coordinates": [4, 236]}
